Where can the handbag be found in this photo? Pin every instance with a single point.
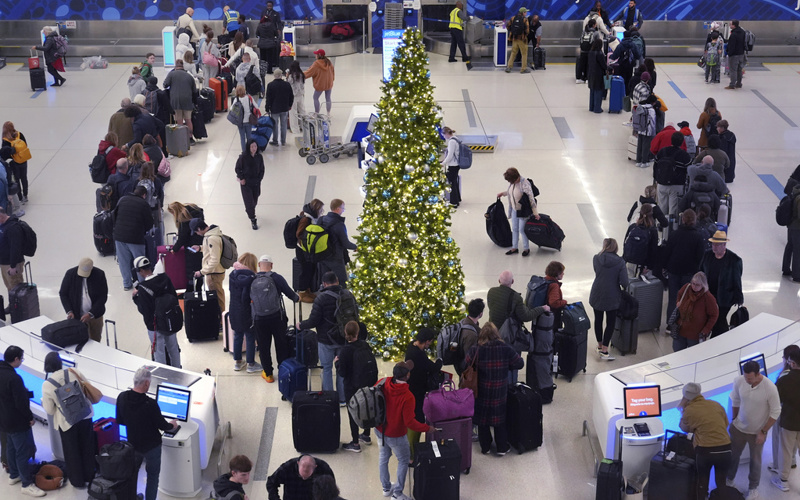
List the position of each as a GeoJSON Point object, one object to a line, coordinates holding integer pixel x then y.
{"type": "Point", "coordinates": [92, 393]}
{"type": "Point", "coordinates": [469, 377]}
{"type": "Point", "coordinates": [209, 58]}
{"type": "Point", "coordinates": [607, 82]}
{"type": "Point", "coordinates": [254, 113]}
{"type": "Point", "coordinates": [673, 323]}
{"type": "Point", "coordinates": [526, 210]}
{"type": "Point", "coordinates": [448, 403]}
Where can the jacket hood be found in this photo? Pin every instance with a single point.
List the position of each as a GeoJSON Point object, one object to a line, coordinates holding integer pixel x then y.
{"type": "Point", "coordinates": [669, 127]}
{"type": "Point", "coordinates": [393, 389]}
{"type": "Point", "coordinates": [241, 276]}
{"type": "Point", "coordinates": [643, 199]}
{"type": "Point", "coordinates": [702, 186]}
{"type": "Point", "coordinates": [728, 136]}
{"type": "Point", "coordinates": [134, 78]}
{"type": "Point", "coordinates": [214, 231]}
{"type": "Point", "coordinates": [183, 38]}
{"type": "Point", "coordinates": [608, 259]}
{"type": "Point", "coordinates": [686, 131]}
{"type": "Point", "coordinates": [159, 283]}
{"type": "Point", "coordinates": [309, 211]}
{"type": "Point", "coordinates": [223, 486]}
{"type": "Point", "coordinates": [104, 144]}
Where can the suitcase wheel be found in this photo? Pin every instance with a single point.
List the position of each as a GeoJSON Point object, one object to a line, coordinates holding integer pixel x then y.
{"type": "Point", "coordinates": [466, 471]}
{"type": "Point", "coordinates": [190, 340]}
{"type": "Point", "coordinates": [225, 349]}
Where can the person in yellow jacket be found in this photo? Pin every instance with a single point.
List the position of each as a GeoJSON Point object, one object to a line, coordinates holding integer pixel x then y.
{"type": "Point", "coordinates": [458, 18]}
{"type": "Point", "coordinates": [212, 252]}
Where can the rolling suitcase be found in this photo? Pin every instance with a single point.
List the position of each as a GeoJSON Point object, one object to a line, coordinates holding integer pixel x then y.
{"type": "Point", "coordinates": [610, 481]}
{"type": "Point", "coordinates": [23, 299]}
{"type": "Point", "coordinates": [221, 91]}
{"type": "Point", "coordinates": [102, 227]}
{"type": "Point", "coordinates": [616, 95]}
{"type": "Point", "coordinates": [206, 103]}
{"type": "Point", "coordinates": [539, 58]}
{"type": "Point", "coordinates": [544, 232]}
{"type": "Point", "coordinates": [524, 418]}
{"type": "Point", "coordinates": [228, 335]}
{"type": "Point", "coordinates": [106, 431]}
{"type": "Point", "coordinates": [292, 377]}
{"type": "Point", "coordinates": [174, 264]}
{"type": "Point", "coordinates": [633, 144]}
{"type": "Point", "coordinates": [297, 270]}
{"type": "Point", "coordinates": [316, 421]}
{"type": "Point", "coordinates": [177, 140]}
{"type": "Point", "coordinates": [198, 124]}
{"type": "Point", "coordinates": [497, 226]}
{"type": "Point", "coordinates": [306, 349]}
{"type": "Point", "coordinates": [437, 471]}
{"type": "Point", "coordinates": [202, 317]}
{"type": "Point", "coordinates": [650, 294]}
{"type": "Point", "coordinates": [671, 479]}
{"type": "Point", "coordinates": [38, 80]}
{"type": "Point", "coordinates": [151, 245]}
{"type": "Point", "coordinates": [571, 351]}
{"type": "Point", "coordinates": [626, 335]}
{"type": "Point", "coordinates": [460, 431]}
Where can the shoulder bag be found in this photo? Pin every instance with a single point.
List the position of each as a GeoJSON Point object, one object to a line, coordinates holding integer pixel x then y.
{"type": "Point", "coordinates": [469, 377]}
{"type": "Point", "coordinates": [91, 392]}
{"type": "Point", "coordinates": [673, 323]}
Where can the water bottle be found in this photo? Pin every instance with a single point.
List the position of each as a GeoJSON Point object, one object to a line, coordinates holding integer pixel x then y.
{"type": "Point", "coordinates": [555, 363]}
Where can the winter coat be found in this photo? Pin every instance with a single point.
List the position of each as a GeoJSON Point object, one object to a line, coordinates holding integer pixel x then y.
{"type": "Point", "coordinates": [212, 251]}
{"type": "Point", "coordinates": [145, 299]}
{"type": "Point", "coordinates": [279, 97]}
{"type": "Point", "coordinates": [122, 126]}
{"type": "Point", "coordinates": [136, 85]}
{"type": "Point", "coordinates": [727, 143]}
{"type": "Point", "coordinates": [267, 33]}
{"type": "Point", "coordinates": [322, 73]}
{"type": "Point", "coordinates": [181, 87]}
{"type": "Point", "coordinates": [112, 156]}
{"type": "Point", "coordinates": [323, 317]}
{"type": "Point", "coordinates": [729, 284]}
{"type": "Point", "coordinates": [239, 313]}
{"type": "Point", "coordinates": [684, 251]}
{"type": "Point", "coordinates": [663, 139]}
{"type": "Point", "coordinates": [502, 299]}
{"type": "Point", "coordinates": [652, 245]}
{"type": "Point", "coordinates": [701, 124]}
{"type": "Point", "coordinates": [132, 218]}
{"type": "Point", "coordinates": [145, 124]}
{"type": "Point", "coordinates": [182, 46]}
{"type": "Point", "coordinates": [11, 242]}
{"type": "Point", "coordinates": [610, 276]}
{"type": "Point", "coordinates": [702, 315]}
{"type": "Point", "coordinates": [658, 214]}
{"type": "Point", "coordinates": [712, 177]}
{"type": "Point", "coordinates": [399, 410]}
{"type": "Point", "coordinates": [15, 412]}
{"type": "Point", "coordinates": [494, 360]}
{"type": "Point", "coordinates": [344, 366]}
{"type": "Point", "coordinates": [418, 380]}
{"type": "Point", "coordinates": [49, 48]}
{"type": "Point", "coordinates": [736, 42]}
{"type": "Point", "coordinates": [682, 160]}
{"type": "Point", "coordinates": [250, 168]}
{"type": "Point", "coordinates": [71, 292]}
{"type": "Point", "coordinates": [596, 70]}
{"type": "Point", "coordinates": [721, 160]}
{"type": "Point", "coordinates": [334, 223]}
{"type": "Point", "coordinates": [698, 190]}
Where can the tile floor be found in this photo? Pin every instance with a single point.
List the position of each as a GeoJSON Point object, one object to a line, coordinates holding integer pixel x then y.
{"type": "Point", "coordinates": [583, 174]}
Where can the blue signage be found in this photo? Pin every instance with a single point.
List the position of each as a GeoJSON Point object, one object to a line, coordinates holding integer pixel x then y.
{"type": "Point", "coordinates": [391, 40]}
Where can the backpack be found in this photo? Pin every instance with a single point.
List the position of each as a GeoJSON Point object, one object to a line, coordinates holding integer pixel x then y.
{"type": "Point", "coordinates": [365, 367]}
{"type": "Point", "coordinates": [464, 155]}
{"type": "Point", "coordinates": [691, 145]}
{"type": "Point", "coordinates": [290, 231]}
{"type": "Point", "coordinates": [21, 151]}
{"type": "Point", "coordinates": [448, 344]}
{"type": "Point", "coordinates": [640, 119]}
{"type": "Point", "coordinates": [151, 101]}
{"type": "Point", "coordinates": [151, 191]}
{"type": "Point", "coordinates": [785, 211]}
{"type": "Point", "coordinates": [711, 126]}
{"type": "Point", "coordinates": [316, 242]}
{"type": "Point", "coordinates": [105, 196]}
{"type": "Point", "coordinates": [229, 252]}
{"type": "Point", "coordinates": [636, 245]}
{"type": "Point", "coordinates": [586, 40]}
{"type": "Point", "coordinates": [665, 169]}
{"type": "Point", "coordinates": [265, 296]}
{"type": "Point", "coordinates": [712, 56]}
{"type": "Point", "coordinates": [517, 27]}
{"type": "Point", "coordinates": [98, 169]}
{"type": "Point", "coordinates": [164, 168]}
{"type": "Point", "coordinates": [236, 113]}
{"type": "Point", "coordinates": [28, 239]}
{"type": "Point", "coordinates": [168, 313]}
{"type": "Point", "coordinates": [749, 40]}
{"type": "Point", "coordinates": [252, 83]}
{"type": "Point", "coordinates": [71, 401]}
{"type": "Point", "coordinates": [537, 292]}
{"type": "Point", "coordinates": [639, 44]}
{"type": "Point", "coordinates": [368, 406]}
{"type": "Point", "coordinates": [346, 309]}
{"type": "Point", "coordinates": [61, 46]}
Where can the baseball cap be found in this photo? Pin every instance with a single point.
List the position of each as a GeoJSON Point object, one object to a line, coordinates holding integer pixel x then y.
{"type": "Point", "coordinates": [319, 52]}
{"type": "Point", "coordinates": [85, 267]}
{"type": "Point", "coordinates": [402, 369]}
{"type": "Point", "coordinates": [691, 390]}
{"type": "Point", "coordinates": [523, 10]}
{"type": "Point", "coordinates": [194, 224]}
{"type": "Point", "coordinates": [140, 262]}
{"type": "Point", "coordinates": [683, 124]}
{"type": "Point", "coordinates": [265, 258]}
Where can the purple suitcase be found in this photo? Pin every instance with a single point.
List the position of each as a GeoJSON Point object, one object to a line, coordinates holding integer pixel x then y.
{"type": "Point", "coordinates": [174, 264]}
{"type": "Point", "coordinates": [459, 430]}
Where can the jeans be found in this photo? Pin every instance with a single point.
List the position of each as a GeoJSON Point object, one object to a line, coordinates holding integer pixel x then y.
{"type": "Point", "coordinates": [457, 40]}
{"type": "Point", "coordinates": [267, 328]}
{"type": "Point", "coordinates": [402, 450]}
{"type": "Point", "coordinates": [738, 441]}
{"type": "Point", "coordinates": [250, 194]}
{"type": "Point", "coordinates": [326, 355]}
{"type": "Point", "coordinates": [681, 343]}
{"type": "Point", "coordinates": [126, 252]}
{"type": "Point", "coordinates": [281, 123]}
{"type": "Point", "coordinates": [166, 343]}
{"type": "Point", "coordinates": [328, 103]}
{"type": "Point", "coordinates": [500, 437]}
{"type": "Point", "coordinates": [604, 336]}
{"type": "Point", "coordinates": [675, 282]}
{"type": "Point", "coordinates": [245, 135]}
{"type": "Point", "coordinates": [520, 46]}
{"type": "Point", "coordinates": [736, 65]}
{"type": "Point", "coordinates": [791, 254]}
{"type": "Point", "coordinates": [298, 108]}
{"type": "Point", "coordinates": [153, 469]}
{"type": "Point", "coordinates": [248, 337]}
{"type": "Point", "coordinates": [455, 187]}
{"type": "Point", "coordinates": [718, 457]}
{"type": "Point", "coordinates": [78, 446]}
{"type": "Point", "coordinates": [518, 226]}
{"type": "Point", "coordinates": [643, 148]}
{"type": "Point", "coordinates": [18, 451]}
{"type": "Point", "coordinates": [668, 198]}
{"type": "Point", "coordinates": [596, 101]}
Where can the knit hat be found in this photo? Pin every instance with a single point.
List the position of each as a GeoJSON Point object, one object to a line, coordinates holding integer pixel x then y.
{"type": "Point", "coordinates": [646, 76]}
{"type": "Point", "coordinates": [402, 369]}
{"type": "Point", "coordinates": [85, 267]}
{"type": "Point", "coordinates": [194, 224]}
{"type": "Point", "coordinates": [691, 390]}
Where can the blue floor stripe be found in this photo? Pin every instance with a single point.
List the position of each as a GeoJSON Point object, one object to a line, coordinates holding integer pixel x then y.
{"type": "Point", "coordinates": [773, 184]}
{"type": "Point", "coordinates": [677, 90]}
{"type": "Point", "coordinates": [775, 108]}
{"type": "Point", "coordinates": [36, 94]}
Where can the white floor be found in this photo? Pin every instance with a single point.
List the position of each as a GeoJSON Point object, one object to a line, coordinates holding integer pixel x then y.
{"type": "Point", "coordinates": [587, 173]}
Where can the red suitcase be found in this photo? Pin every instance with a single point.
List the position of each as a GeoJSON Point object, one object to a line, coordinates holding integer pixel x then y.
{"type": "Point", "coordinates": [107, 432]}
{"type": "Point", "coordinates": [174, 264]}
{"type": "Point", "coordinates": [459, 430]}
{"type": "Point", "coordinates": [221, 92]}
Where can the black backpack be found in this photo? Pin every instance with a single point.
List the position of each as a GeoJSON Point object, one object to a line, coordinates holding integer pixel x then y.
{"type": "Point", "coordinates": [711, 126]}
{"type": "Point", "coordinates": [785, 211]}
{"type": "Point", "coordinates": [665, 169]}
{"type": "Point", "coordinates": [290, 231]}
{"type": "Point", "coordinates": [517, 27]}
{"type": "Point", "coordinates": [252, 83]}
{"type": "Point", "coordinates": [28, 239]}
{"type": "Point", "coordinates": [169, 316]}
{"type": "Point", "coordinates": [636, 245]}
{"type": "Point", "coordinates": [365, 367]}
{"type": "Point", "coordinates": [98, 169]}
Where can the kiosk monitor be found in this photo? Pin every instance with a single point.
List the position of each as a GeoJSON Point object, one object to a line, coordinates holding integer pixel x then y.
{"type": "Point", "coordinates": [642, 400]}
{"type": "Point", "coordinates": [174, 401]}
{"type": "Point", "coordinates": [758, 358]}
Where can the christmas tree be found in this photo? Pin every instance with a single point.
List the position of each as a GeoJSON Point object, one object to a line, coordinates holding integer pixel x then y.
{"type": "Point", "coordinates": [407, 273]}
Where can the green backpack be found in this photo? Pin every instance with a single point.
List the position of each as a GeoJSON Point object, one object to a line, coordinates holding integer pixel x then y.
{"type": "Point", "coordinates": [316, 242]}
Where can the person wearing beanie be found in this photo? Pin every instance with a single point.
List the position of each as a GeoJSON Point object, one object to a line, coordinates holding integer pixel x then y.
{"type": "Point", "coordinates": [642, 89]}
{"type": "Point", "coordinates": [391, 435]}
{"type": "Point", "coordinates": [83, 294]}
{"type": "Point", "coordinates": [77, 440]}
{"type": "Point", "coordinates": [707, 420]}
{"type": "Point", "coordinates": [422, 376]}
{"type": "Point", "coordinates": [278, 102]}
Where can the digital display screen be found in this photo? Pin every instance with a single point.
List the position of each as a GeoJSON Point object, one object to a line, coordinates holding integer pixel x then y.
{"type": "Point", "coordinates": [173, 400]}
{"type": "Point", "coordinates": [373, 119]}
{"type": "Point", "coordinates": [642, 401]}
{"type": "Point", "coordinates": [391, 40]}
{"type": "Point", "coordinates": [758, 358]}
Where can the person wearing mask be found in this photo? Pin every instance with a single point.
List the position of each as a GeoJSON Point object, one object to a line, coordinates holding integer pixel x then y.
{"type": "Point", "coordinates": [707, 421]}
{"type": "Point", "coordinates": [458, 19]}
{"type": "Point", "coordinates": [83, 294]}
{"type": "Point", "coordinates": [149, 287]}
{"type": "Point", "coordinates": [297, 476]}
{"type": "Point", "coordinates": [183, 214]}
{"type": "Point", "coordinates": [521, 205]}
{"type": "Point", "coordinates": [450, 163]}
{"type": "Point", "coordinates": [610, 277]}
{"type": "Point", "coordinates": [682, 256]}
{"type": "Point", "coordinates": [736, 55]}
{"type": "Point", "coordinates": [424, 376]}
{"type": "Point", "coordinates": [724, 271]}
{"type": "Point", "coordinates": [631, 16]}
{"type": "Point", "coordinates": [698, 313]}
{"type": "Point", "coordinates": [240, 315]}
{"type": "Point", "coordinates": [789, 422]}
{"type": "Point", "coordinates": [333, 222]}
{"type": "Point", "coordinates": [230, 485]}
{"type": "Point", "coordinates": [323, 74]}
{"type": "Point", "coordinates": [756, 406]}
{"type": "Point", "coordinates": [250, 173]}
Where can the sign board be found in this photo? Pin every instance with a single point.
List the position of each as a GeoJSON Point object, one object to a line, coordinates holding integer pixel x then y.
{"type": "Point", "coordinates": [71, 25]}
{"type": "Point", "coordinates": [391, 40]}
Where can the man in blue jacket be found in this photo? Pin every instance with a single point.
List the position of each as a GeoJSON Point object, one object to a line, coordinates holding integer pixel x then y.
{"type": "Point", "coordinates": [333, 222]}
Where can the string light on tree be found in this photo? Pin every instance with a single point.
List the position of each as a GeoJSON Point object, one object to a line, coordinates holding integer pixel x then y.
{"type": "Point", "coordinates": [408, 274]}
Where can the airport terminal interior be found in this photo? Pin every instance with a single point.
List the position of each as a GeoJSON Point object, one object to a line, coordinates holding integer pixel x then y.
{"type": "Point", "coordinates": [543, 127]}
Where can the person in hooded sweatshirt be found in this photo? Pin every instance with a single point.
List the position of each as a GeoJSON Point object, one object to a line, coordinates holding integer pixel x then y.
{"type": "Point", "coordinates": [182, 46]}
{"type": "Point", "coordinates": [663, 139]}
{"type": "Point", "coordinates": [230, 485]}
{"type": "Point", "coordinates": [610, 276]}
{"type": "Point", "coordinates": [136, 83]}
{"type": "Point", "coordinates": [148, 288]}
{"type": "Point", "coordinates": [649, 198]}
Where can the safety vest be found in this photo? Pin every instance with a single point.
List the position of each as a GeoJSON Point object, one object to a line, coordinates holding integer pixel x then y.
{"type": "Point", "coordinates": [455, 21]}
{"type": "Point", "coordinates": [231, 16]}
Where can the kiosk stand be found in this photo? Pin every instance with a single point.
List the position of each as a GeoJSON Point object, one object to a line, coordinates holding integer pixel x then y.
{"type": "Point", "coordinates": [180, 462]}
{"type": "Point", "coordinates": [638, 449]}
{"type": "Point", "coordinates": [500, 49]}
{"type": "Point", "coordinates": [168, 45]}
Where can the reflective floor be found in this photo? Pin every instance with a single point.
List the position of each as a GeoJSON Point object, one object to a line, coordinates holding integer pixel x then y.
{"type": "Point", "coordinates": [577, 159]}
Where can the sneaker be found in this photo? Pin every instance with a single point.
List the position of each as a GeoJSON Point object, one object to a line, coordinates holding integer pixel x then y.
{"type": "Point", "coordinates": [607, 356]}
{"type": "Point", "coordinates": [33, 491]}
{"type": "Point", "coordinates": [752, 495]}
{"type": "Point", "coordinates": [24, 200]}
{"type": "Point", "coordinates": [364, 438]}
{"type": "Point", "coordinates": [269, 378]}
{"type": "Point", "coordinates": [730, 483]}
{"type": "Point", "coordinates": [238, 365]}
{"type": "Point", "coordinates": [508, 70]}
{"type": "Point", "coordinates": [578, 81]}
{"type": "Point", "coordinates": [780, 484]}
{"type": "Point", "coordinates": [354, 447]}
{"type": "Point", "coordinates": [638, 165]}
{"type": "Point", "coordinates": [526, 70]}
{"type": "Point", "coordinates": [342, 404]}
{"type": "Point", "coordinates": [14, 480]}
{"type": "Point", "coordinates": [254, 224]}
{"type": "Point", "coordinates": [599, 350]}
{"type": "Point", "coordinates": [254, 368]}
{"type": "Point", "coordinates": [388, 493]}
{"type": "Point", "coordinates": [772, 468]}
{"type": "Point", "coordinates": [399, 495]}
{"type": "Point", "coordinates": [502, 453]}
{"type": "Point", "coordinates": [19, 213]}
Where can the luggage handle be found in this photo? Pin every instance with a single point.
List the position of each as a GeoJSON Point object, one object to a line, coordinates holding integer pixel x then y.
{"type": "Point", "coordinates": [28, 273]}
{"type": "Point", "coordinates": [174, 238]}
{"type": "Point", "coordinates": [667, 436]}
{"type": "Point", "coordinates": [108, 342]}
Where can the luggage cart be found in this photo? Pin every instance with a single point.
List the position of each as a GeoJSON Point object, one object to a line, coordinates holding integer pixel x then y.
{"type": "Point", "coordinates": [317, 141]}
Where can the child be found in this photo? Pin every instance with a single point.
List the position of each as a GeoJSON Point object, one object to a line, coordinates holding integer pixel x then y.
{"type": "Point", "coordinates": [712, 55]}
{"type": "Point", "coordinates": [688, 138]}
{"type": "Point", "coordinates": [358, 368]}
{"type": "Point", "coordinates": [146, 70]}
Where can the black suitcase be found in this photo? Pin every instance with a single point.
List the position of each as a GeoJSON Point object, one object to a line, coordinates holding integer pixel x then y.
{"type": "Point", "coordinates": [626, 335]}
{"type": "Point", "coordinates": [307, 348]}
{"type": "Point", "coordinates": [206, 103]}
{"type": "Point", "coordinates": [202, 317]}
{"type": "Point", "coordinates": [672, 479]}
{"type": "Point", "coordinates": [544, 232]}
{"type": "Point", "coordinates": [38, 80]}
{"type": "Point", "coordinates": [66, 333]}
{"type": "Point", "coordinates": [610, 481]}
{"type": "Point", "coordinates": [198, 124]}
{"type": "Point", "coordinates": [437, 476]}
{"type": "Point", "coordinates": [571, 351]}
{"type": "Point", "coordinates": [102, 227]}
{"type": "Point", "coordinates": [497, 226]}
{"type": "Point", "coordinates": [315, 421]}
{"type": "Point", "coordinates": [23, 299]}
{"type": "Point", "coordinates": [539, 58]}
{"type": "Point", "coordinates": [524, 418]}
{"type": "Point", "coordinates": [725, 492]}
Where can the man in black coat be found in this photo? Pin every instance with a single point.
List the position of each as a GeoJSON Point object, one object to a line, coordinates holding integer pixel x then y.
{"type": "Point", "coordinates": [121, 182]}
{"type": "Point", "coordinates": [143, 123]}
{"type": "Point", "coordinates": [83, 294]}
{"type": "Point", "coordinates": [736, 50]}
{"type": "Point", "coordinates": [132, 219]}
{"type": "Point", "coordinates": [333, 222]}
{"type": "Point", "coordinates": [16, 420]}
{"type": "Point", "coordinates": [12, 240]}
{"type": "Point", "coordinates": [723, 269]}
{"type": "Point", "coordinates": [682, 256]}
{"type": "Point", "coordinates": [297, 476]}
{"type": "Point", "coordinates": [278, 102]}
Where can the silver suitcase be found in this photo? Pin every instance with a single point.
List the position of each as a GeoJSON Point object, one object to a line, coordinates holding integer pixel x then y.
{"type": "Point", "coordinates": [650, 294]}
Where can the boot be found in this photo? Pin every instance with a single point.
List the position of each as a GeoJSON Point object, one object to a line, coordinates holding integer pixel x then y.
{"type": "Point", "coordinates": [307, 296]}
{"type": "Point", "coordinates": [254, 223]}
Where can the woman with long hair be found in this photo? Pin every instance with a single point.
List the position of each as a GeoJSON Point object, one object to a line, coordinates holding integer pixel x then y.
{"type": "Point", "coordinates": [323, 74]}
{"type": "Point", "coordinates": [297, 80]}
{"type": "Point", "coordinates": [208, 51]}
{"type": "Point", "coordinates": [698, 312]}
{"type": "Point", "coordinates": [641, 241]}
{"type": "Point", "coordinates": [521, 205]}
{"type": "Point", "coordinates": [707, 122]}
{"type": "Point", "coordinates": [239, 315]}
{"type": "Point", "coordinates": [610, 276]}
{"type": "Point", "coordinates": [136, 158]}
{"type": "Point", "coordinates": [183, 213]}
{"type": "Point", "coordinates": [17, 160]}
{"type": "Point", "coordinates": [249, 173]}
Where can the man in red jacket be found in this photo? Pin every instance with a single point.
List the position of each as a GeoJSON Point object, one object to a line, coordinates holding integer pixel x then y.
{"type": "Point", "coordinates": [664, 139]}
{"type": "Point", "coordinates": [392, 435]}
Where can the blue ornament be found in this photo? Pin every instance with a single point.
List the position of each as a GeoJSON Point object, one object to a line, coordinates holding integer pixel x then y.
{"type": "Point", "coordinates": [450, 263]}
{"type": "Point", "coordinates": [430, 273]}
{"type": "Point", "coordinates": [401, 84]}
{"type": "Point", "coordinates": [433, 199]}
{"type": "Point", "coordinates": [388, 314]}
{"type": "Point", "coordinates": [438, 315]}
{"type": "Point", "coordinates": [386, 193]}
{"type": "Point", "coordinates": [449, 240]}
{"type": "Point", "coordinates": [366, 239]}
{"type": "Point", "coordinates": [406, 177]}
{"type": "Point", "coordinates": [415, 211]}
{"type": "Point", "coordinates": [436, 184]}
{"type": "Point", "coordinates": [428, 75]}
{"type": "Point", "coordinates": [420, 198]}
{"type": "Point", "coordinates": [460, 294]}
{"type": "Point", "coordinates": [432, 158]}
{"type": "Point", "coordinates": [352, 276]}
{"type": "Point", "coordinates": [426, 315]}
{"type": "Point", "coordinates": [403, 135]}
{"type": "Point", "coordinates": [403, 306]}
